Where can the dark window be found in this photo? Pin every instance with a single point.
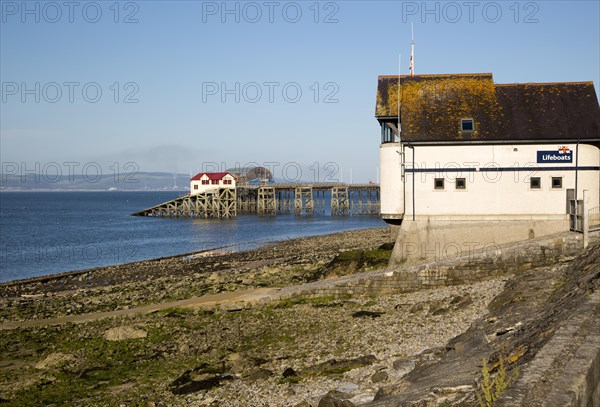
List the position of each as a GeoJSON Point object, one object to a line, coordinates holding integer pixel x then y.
{"type": "Point", "coordinates": [388, 134]}
{"type": "Point", "coordinates": [557, 182]}
{"type": "Point", "coordinates": [204, 182]}
{"type": "Point", "coordinates": [215, 182]}
{"type": "Point", "coordinates": [467, 125]}
{"type": "Point", "coordinates": [535, 183]}
{"type": "Point", "coordinates": [461, 183]}
{"type": "Point", "coordinates": [438, 183]}
{"type": "Point", "coordinates": [195, 186]}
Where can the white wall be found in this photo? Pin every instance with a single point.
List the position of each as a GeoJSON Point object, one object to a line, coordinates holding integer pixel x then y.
{"type": "Point", "coordinates": [392, 187]}
{"type": "Point", "coordinates": [495, 195]}
{"type": "Point", "coordinates": [211, 187]}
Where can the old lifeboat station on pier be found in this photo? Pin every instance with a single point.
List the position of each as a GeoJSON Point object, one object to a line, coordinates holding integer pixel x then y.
{"type": "Point", "coordinates": [465, 161]}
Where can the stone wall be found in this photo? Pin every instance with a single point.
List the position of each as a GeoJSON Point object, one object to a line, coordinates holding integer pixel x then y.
{"type": "Point", "coordinates": [570, 361]}
{"type": "Point", "coordinates": [429, 239]}
{"type": "Point", "coordinates": [490, 261]}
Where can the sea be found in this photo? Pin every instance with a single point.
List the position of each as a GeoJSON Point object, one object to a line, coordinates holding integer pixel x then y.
{"type": "Point", "coordinates": [44, 233]}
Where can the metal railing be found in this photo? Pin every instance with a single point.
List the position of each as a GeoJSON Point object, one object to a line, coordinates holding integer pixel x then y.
{"type": "Point", "coordinates": [594, 219]}
{"type": "Point", "coordinates": [576, 215]}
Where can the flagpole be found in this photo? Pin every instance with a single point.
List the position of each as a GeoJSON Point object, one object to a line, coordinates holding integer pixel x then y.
{"type": "Point", "coordinates": [399, 83]}
{"type": "Point", "coordinates": [412, 50]}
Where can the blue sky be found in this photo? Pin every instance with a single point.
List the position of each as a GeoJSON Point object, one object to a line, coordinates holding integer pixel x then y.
{"type": "Point", "coordinates": [182, 65]}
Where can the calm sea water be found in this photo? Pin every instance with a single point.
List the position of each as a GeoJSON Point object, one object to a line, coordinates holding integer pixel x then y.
{"type": "Point", "coordinates": [46, 233]}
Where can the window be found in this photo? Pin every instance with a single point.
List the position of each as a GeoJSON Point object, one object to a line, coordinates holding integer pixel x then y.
{"type": "Point", "coordinates": [389, 133]}
{"type": "Point", "coordinates": [467, 125]}
{"type": "Point", "coordinates": [195, 186]}
{"type": "Point", "coordinates": [227, 181]}
{"type": "Point", "coordinates": [215, 182]}
{"type": "Point", "coordinates": [535, 183]}
{"type": "Point", "coordinates": [204, 182]}
{"type": "Point", "coordinates": [461, 183]}
{"type": "Point", "coordinates": [556, 182]}
{"type": "Point", "coordinates": [438, 183]}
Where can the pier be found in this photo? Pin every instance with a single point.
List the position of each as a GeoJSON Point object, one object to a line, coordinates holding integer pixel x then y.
{"type": "Point", "coordinates": [273, 199]}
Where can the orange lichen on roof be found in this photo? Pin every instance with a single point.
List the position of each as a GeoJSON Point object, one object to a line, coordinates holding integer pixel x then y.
{"type": "Point", "coordinates": [434, 107]}
{"type": "Point", "coordinates": [431, 107]}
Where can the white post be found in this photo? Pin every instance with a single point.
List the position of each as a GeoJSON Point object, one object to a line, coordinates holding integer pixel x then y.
{"type": "Point", "coordinates": [586, 220]}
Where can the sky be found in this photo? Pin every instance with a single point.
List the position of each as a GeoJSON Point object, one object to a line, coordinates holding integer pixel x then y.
{"type": "Point", "coordinates": [188, 86]}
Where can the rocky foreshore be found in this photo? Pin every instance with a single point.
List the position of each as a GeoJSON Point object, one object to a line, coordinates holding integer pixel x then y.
{"type": "Point", "coordinates": [174, 278]}
{"type": "Point", "coordinates": [303, 351]}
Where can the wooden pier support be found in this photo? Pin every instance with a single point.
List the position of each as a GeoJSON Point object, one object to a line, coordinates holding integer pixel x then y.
{"type": "Point", "coordinates": [227, 203]}
{"type": "Point", "coordinates": [214, 204]}
{"type": "Point", "coordinates": [267, 201]}
{"type": "Point", "coordinates": [340, 205]}
{"type": "Point", "coordinates": [246, 200]}
{"type": "Point", "coordinates": [284, 201]}
{"type": "Point", "coordinates": [303, 201]}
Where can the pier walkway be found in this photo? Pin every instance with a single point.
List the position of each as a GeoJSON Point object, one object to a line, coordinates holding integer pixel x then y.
{"type": "Point", "coordinates": [270, 199]}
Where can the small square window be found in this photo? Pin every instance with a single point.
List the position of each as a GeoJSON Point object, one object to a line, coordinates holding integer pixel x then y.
{"type": "Point", "coordinates": [556, 182]}
{"type": "Point", "coordinates": [461, 183]}
{"type": "Point", "coordinates": [195, 186]}
{"type": "Point", "coordinates": [535, 183]}
{"type": "Point", "coordinates": [438, 183]}
{"type": "Point", "coordinates": [467, 125]}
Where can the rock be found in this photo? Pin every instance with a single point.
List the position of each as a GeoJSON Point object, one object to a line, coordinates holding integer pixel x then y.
{"type": "Point", "coordinates": [365, 314]}
{"type": "Point", "coordinates": [417, 307]}
{"type": "Point", "coordinates": [379, 377]}
{"type": "Point", "coordinates": [289, 372]}
{"type": "Point", "coordinates": [55, 359]}
{"type": "Point", "coordinates": [462, 301]}
{"type": "Point", "coordinates": [440, 311]}
{"type": "Point", "coordinates": [258, 361]}
{"type": "Point", "coordinates": [124, 332]}
{"type": "Point", "coordinates": [237, 364]}
{"type": "Point", "coordinates": [259, 374]}
{"type": "Point", "coordinates": [340, 394]}
{"type": "Point", "coordinates": [348, 387]}
{"type": "Point", "coordinates": [336, 367]}
{"type": "Point", "coordinates": [330, 401]}
{"type": "Point", "coordinates": [214, 278]}
{"type": "Point", "coordinates": [202, 377]}
{"type": "Point", "coordinates": [303, 403]}
{"type": "Point", "coordinates": [404, 365]}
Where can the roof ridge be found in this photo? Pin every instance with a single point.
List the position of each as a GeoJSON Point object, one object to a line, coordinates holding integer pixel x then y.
{"type": "Point", "coordinates": [547, 83]}
{"type": "Point", "coordinates": [438, 75]}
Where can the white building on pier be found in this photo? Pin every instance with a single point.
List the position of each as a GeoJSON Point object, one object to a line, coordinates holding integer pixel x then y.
{"type": "Point", "coordinates": [211, 182]}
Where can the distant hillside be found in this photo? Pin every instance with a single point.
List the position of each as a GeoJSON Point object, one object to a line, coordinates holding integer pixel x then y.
{"type": "Point", "coordinates": [140, 181]}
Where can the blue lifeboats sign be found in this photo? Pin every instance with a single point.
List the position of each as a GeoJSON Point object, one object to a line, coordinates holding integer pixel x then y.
{"type": "Point", "coordinates": [562, 155]}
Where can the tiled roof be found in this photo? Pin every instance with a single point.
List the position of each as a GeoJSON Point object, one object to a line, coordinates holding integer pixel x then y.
{"type": "Point", "coordinates": [211, 175]}
{"type": "Point", "coordinates": [432, 106]}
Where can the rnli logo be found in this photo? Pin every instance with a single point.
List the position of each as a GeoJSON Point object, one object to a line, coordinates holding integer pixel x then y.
{"type": "Point", "coordinates": [562, 155]}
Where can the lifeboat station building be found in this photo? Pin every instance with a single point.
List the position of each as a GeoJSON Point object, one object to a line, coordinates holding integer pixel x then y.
{"type": "Point", "coordinates": [211, 182]}
{"type": "Point", "coordinates": [467, 162]}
